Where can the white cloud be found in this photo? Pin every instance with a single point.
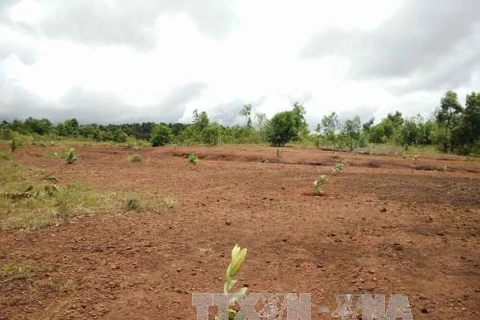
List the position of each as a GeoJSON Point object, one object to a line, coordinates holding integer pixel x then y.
{"type": "Point", "coordinates": [221, 56]}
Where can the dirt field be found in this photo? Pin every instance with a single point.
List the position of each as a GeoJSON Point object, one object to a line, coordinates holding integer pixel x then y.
{"type": "Point", "coordinates": [385, 225]}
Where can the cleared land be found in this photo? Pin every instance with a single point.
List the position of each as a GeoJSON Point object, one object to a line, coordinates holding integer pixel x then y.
{"type": "Point", "coordinates": [386, 224]}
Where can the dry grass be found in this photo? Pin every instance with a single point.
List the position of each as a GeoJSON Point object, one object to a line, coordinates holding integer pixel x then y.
{"type": "Point", "coordinates": [29, 200]}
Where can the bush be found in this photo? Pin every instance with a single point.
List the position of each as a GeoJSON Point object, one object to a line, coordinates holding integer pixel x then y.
{"type": "Point", "coordinates": [14, 145]}
{"type": "Point", "coordinates": [193, 159]}
{"type": "Point", "coordinates": [212, 134]}
{"type": "Point", "coordinates": [4, 156]}
{"type": "Point", "coordinates": [135, 158]}
{"type": "Point", "coordinates": [70, 156]}
{"type": "Point", "coordinates": [161, 135]}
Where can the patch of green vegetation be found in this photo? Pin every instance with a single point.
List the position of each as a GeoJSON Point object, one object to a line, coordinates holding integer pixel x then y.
{"type": "Point", "coordinates": [318, 183]}
{"type": "Point", "coordinates": [14, 145]}
{"type": "Point", "coordinates": [339, 165]}
{"type": "Point", "coordinates": [30, 201]}
{"type": "Point", "coordinates": [4, 156]}
{"type": "Point", "coordinates": [13, 270]}
{"type": "Point", "coordinates": [135, 158]}
{"type": "Point", "coordinates": [143, 202]}
{"type": "Point", "coordinates": [70, 156]}
{"type": "Point", "coordinates": [193, 159]}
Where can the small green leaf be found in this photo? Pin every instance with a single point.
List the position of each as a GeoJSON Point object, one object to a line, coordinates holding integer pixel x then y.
{"type": "Point", "coordinates": [238, 256]}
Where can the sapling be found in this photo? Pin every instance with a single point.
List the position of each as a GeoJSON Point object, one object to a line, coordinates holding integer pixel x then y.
{"type": "Point", "coordinates": [339, 165]}
{"type": "Point", "coordinates": [321, 180]}
{"type": "Point", "coordinates": [238, 256]}
{"type": "Point", "coordinates": [14, 145]}
{"type": "Point", "coordinates": [193, 159]}
{"type": "Point", "coordinates": [70, 156]}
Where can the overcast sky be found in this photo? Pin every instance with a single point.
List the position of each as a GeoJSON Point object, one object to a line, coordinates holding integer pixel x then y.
{"type": "Point", "coordinates": [114, 61]}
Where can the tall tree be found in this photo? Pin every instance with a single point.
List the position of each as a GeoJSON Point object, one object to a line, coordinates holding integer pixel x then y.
{"type": "Point", "coordinates": [328, 127]}
{"type": "Point", "coordinates": [247, 113]}
{"type": "Point", "coordinates": [200, 120]}
{"type": "Point", "coordinates": [298, 113]}
{"type": "Point", "coordinates": [447, 115]}
{"type": "Point", "coordinates": [467, 136]}
{"type": "Point", "coordinates": [352, 132]}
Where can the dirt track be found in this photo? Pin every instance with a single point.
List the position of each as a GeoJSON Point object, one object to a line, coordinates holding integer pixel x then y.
{"type": "Point", "coordinates": [385, 225]}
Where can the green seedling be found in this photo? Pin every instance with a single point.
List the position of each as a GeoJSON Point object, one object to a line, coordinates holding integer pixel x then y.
{"type": "Point", "coordinates": [318, 183]}
{"type": "Point", "coordinates": [193, 159]}
{"type": "Point", "coordinates": [339, 165]}
{"type": "Point", "coordinates": [70, 156]}
{"type": "Point", "coordinates": [238, 257]}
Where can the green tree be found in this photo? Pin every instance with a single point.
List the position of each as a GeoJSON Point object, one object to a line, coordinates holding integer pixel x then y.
{"type": "Point", "coordinates": [200, 120]}
{"type": "Point", "coordinates": [447, 116]}
{"type": "Point", "coordinates": [467, 136]}
{"type": "Point", "coordinates": [282, 128]}
{"type": "Point", "coordinates": [119, 135]}
{"type": "Point", "coordinates": [351, 133]}
{"type": "Point", "coordinates": [247, 113]}
{"type": "Point", "coordinates": [328, 127]}
{"type": "Point", "coordinates": [367, 125]}
{"type": "Point", "coordinates": [299, 121]}
{"type": "Point", "coordinates": [38, 126]}
{"type": "Point", "coordinates": [69, 128]}
{"type": "Point", "coordinates": [212, 134]}
{"type": "Point", "coordinates": [411, 132]}
{"type": "Point", "coordinates": [90, 132]}
{"type": "Point", "coordinates": [396, 119]}
{"type": "Point", "coordinates": [161, 135]}
{"type": "Point", "coordinates": [261, 124]}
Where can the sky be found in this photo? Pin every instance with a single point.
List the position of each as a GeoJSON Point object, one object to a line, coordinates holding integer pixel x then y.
{"type": "Point", "coordinates": [118, 61]}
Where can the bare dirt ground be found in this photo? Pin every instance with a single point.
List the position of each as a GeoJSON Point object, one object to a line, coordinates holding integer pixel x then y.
{"type": "Point", "coordinates": [385, 225]}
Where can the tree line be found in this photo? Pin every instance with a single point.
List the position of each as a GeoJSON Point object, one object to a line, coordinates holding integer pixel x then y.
{"type": "Point", "coordinates": [453, 127]}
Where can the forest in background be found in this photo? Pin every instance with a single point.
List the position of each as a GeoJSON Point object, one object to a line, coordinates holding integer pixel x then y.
{"type": "Point", "coordinates": [452, 128]}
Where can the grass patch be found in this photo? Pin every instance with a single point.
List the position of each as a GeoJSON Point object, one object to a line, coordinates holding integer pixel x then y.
{"type": "Point", "coordinates": [4, 156]}
{"type": "Point", "coordinates": [144, 202]}
{"type": "Point", "coordinates": [15, 271]}
{"type": "Point", "coordinates": [136, 158]}
{"type": "Point", "coordinates": [30, 201]}
{"type": "Point", "coordinates": [53, 155]}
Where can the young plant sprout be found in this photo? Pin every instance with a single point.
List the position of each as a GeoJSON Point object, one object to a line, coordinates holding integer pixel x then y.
{"type": "Point", "coordinates": [339, 165]}
{"type": "Point", "coordinates": [321, 180]}
{"type": "Point", "coordinates": [70, 156]}
{"type": "Point", "coordinates": [193, 159]}
{"type": "Point", "coordinates": [238, 256]}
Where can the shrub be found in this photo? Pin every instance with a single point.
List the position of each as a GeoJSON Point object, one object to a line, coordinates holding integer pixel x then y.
{"type": "Point", "coordinates": [321, 180]}
{"type": "Point", "coordinates": [193, 159]}
{"type": "Point", "coordinates": [133, 205]}
{"type": "Point", "coordinates": [70, 156]}
{"type": "Point", "coordinates": [135, 158]}
{"type": "Point", "coordinates": [212, 134]}
{"type": "Point", "coordinates": [339, 165]}
{"type": "Point", "coordinates": [14, 145]}
{"type": "Point", "coordinates": [161, 135]}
